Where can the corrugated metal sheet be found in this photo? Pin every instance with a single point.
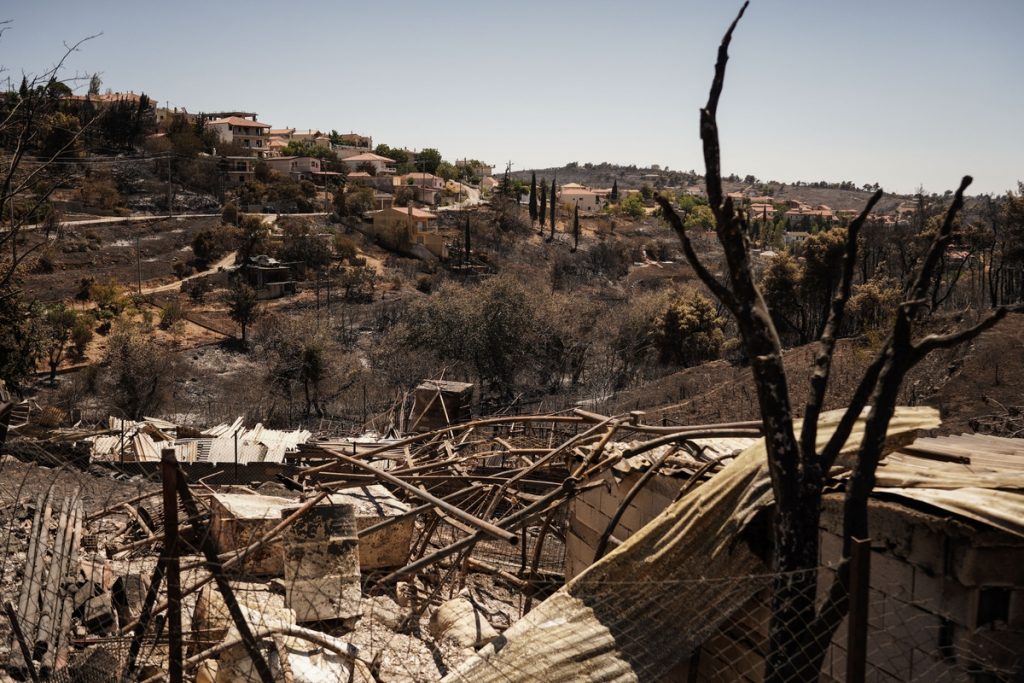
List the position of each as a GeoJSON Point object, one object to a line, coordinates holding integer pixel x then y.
{"type": "Point", "coordinates": [976, 476]}
{"type": "Point", "coordinates": [653, 588]}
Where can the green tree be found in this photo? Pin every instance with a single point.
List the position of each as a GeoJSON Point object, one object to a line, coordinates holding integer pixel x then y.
{"type": "Point", "coordinates": [307, 148]}
{"type": "Point", "coordinates": [21, 340]}
{"type": "Point", "coordinates": [81, 335]}
{"type": "Point", "coordinates": [543, 204]}
{"type": "Point", "coordinates": [358, 282]}
{"type": "Point", "coordinates": [300, 244]}
{"type": "Point", "coordinates": [632, 206]}
{"type": "Point", "coordinates": [689, 331]}
{"type": "Point", "coordinates": [61, 135]}
{"type": "Point", "coordinates": [614, 196]}
{"type": "Point", "coordinates": [253, 237]}
{"type": "Point", "coordinates": [59, 321]}
{"type": "Point", "coordinates": [447, 171]}
{"type": "Point", "coordinates": [399, 156]}
{"type": "Point", "coordinates": [553, 206]}
{"type": "Point", "coordinates": [208, 245]}
{"type": "Point", "coordinates": [94, 85]}
{"type": "Point", "coordinates": [243, 306]}
{"type": "Point", "coordinates": [137, 374]}
{"type": "Point", "coordinates": [109, 295]}
{"type": "Point", "coordinates": [340, 207]}
{"type": "Point", "coordinates": [360, 200]}
{"type": "Point", "coordinates": [229, 215]}
{"type": "Point", "coordinates": [533, 197]}
{"type": "Point", "coordinates": [699, 217]}
{"type": "Point", "coordinates": [428, 160]}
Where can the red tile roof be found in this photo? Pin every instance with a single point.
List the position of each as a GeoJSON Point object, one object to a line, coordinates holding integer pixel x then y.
{"type": "Point", "coordinates": [239, 121]}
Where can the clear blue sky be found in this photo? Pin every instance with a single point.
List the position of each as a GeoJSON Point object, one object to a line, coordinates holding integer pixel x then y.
{"type": "Point", "coordinates": [900, 92]}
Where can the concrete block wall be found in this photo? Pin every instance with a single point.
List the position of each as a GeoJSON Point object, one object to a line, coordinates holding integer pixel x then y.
{"type": "Point", "coordinates": [946, 603]}
{"type": "Point", "coordinates": [591, 512]}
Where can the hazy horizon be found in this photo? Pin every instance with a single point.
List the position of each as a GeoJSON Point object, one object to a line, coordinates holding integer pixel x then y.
{"type": "Point", "coordinates": [915, 94]}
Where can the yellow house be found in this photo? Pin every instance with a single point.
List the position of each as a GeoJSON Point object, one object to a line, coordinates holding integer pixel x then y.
{"type": "Point", "coordinates": [406, 228]}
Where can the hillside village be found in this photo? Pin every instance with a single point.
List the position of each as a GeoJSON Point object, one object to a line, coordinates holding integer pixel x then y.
{"type": "Point", "coordinates": [282, 404]}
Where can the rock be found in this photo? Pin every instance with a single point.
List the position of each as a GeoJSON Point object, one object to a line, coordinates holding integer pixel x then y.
{"type": "Point", "coordinates": [99, 616]}
{"type": "Point", "coordinates": [459, 620]}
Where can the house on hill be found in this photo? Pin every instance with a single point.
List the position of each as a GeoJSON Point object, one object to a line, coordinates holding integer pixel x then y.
{"type": "Point", "coordinates": [251, 134]}
{"type": "Point", "coordinates": [589, 200]}
{"type": "Point", "coordinates": [425, 186]}
{"type": "Point", "coordinates": [410, 229]}
{"type": "Point", "coordinates": [803, 216]}
{"type": "Point", "coordinates": [378, 163]}
{"type": "Point", "coordinates": [299, 168]}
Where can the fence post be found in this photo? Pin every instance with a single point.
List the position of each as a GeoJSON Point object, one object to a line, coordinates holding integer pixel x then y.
{"type": "Point", "coordinates": [857, 631]}
{"type": "Point", "coordinates": [169, 474]}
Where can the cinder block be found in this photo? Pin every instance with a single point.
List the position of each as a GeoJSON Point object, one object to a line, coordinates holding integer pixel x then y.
{"type": "Point", "coordinates": [945, 597]}
{"type": "Point", "coordinates": [999, 566]}
{"type": "Point", "coordinates": [928, 549]}
{"type": "Point", "coordinates": [584, 513]}
{"type": "Point", "coordinates": [891, 575]}
{"type": "Point", "coordinates": [889, 654]}
{"type": "Point", "coordinates": [989, 649]}
{"type": "Point", "coordinates": [1016, 610]}
{"type": "Point", "coordinates": [909, 625]}
{"type": "Point", "coordinates": [630, 522]}
{"type": "Point", "coordinates": [928, 667]}
{"type": "Point", "coordinates": [608, 503]}
{"type": "Point", "coordinates": [891, 526]}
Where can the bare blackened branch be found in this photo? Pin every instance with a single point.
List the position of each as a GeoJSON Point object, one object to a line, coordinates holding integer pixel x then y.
{"type": "Point", "coordinates": [919, 291]}
{"type": "Point", "coordinates": [708, 124]}
{"type": "Point", "coordinates": [945, 341]}
{"type": "Point", "coordinates": [723, 57]}
{"type": "Point", "coordinates": [827, 342]}
{"type": "Point", "coordinates": [716, 287]}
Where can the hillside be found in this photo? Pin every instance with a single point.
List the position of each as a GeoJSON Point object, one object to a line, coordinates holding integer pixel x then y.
{"type": "Point", "coordinates": [632, 177]}
{"type": "Point", "coordinates": [976, 387]}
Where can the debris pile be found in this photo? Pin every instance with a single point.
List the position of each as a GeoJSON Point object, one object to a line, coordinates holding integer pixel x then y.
{"type": "Point", "coordinates": [388, 558]}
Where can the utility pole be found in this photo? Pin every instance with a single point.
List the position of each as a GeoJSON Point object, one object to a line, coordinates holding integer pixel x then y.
{"type": "Point", "coordinates": [138, 261]}
{"type": "Point", "coordinates": [170, 211]}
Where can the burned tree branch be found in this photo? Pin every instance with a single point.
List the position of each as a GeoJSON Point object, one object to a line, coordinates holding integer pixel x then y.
{"type": "Point", "coordinates": [709, 280]}
{"type": "Point", "coordinates": [934, 341]}
{"type": "Point", "coordinates": [827, 342]}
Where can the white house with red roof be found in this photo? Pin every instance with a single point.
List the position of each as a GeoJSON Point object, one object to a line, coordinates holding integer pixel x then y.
{"type": "Point", "coordinates": [247, 133]}
{"type": "Point", "coordinates": [380, 164]}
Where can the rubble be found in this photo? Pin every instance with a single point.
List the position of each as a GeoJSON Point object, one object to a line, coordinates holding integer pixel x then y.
{"type": "Point", "coordinates": [393, 556]}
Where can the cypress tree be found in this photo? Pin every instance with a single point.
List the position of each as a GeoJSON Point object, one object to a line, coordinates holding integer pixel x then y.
{"type": "Point", "coordinates": [543, 203]}
{"type": "Point", "coordinates": [554, 201]}
{"type": "Point", "coordinates": [533, 196]}
{"type": "Point", "coordinates": [576, 227]}
{"type": "Point", "coordinates": [615, 190]}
